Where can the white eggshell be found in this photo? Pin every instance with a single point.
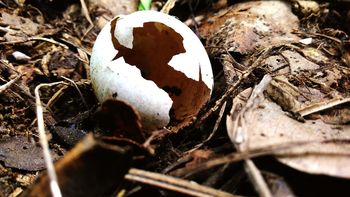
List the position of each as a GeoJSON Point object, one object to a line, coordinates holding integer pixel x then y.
{"type": "Point", "coordinates": [155, 63]}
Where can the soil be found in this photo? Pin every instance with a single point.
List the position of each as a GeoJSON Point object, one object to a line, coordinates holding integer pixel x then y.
{"type": "Point", "coordinates": [45, 41]}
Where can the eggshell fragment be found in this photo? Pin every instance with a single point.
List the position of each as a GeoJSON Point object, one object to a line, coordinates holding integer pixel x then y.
{"type": "Point", "coordinates": [155, 63]}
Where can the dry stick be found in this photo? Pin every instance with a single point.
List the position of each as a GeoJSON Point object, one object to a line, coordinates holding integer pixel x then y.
{"type": "Point", "coordinates": [321, 35]}
{"type": "Point", "coordinates": [76, 46]}
{"type": "Point", "coordinates": [257, 179]}
{"type": "Point", "coordinates": [56, 96]}
{"type": "Point", "coordinates": [8, 84]}
{"type": "Point", "coordinates": [86, 12]}
{"type": "Point", "coordinates": [317, 107]}
{"type": "Point", "coordinates": [77, 88]}
{"type": "Point", "coordinates": [7, 29]}
{"type": "Point", "coordinates": [180, 161]}
{"type": "Point", "coordinates": [26, 92]}
{"type": "Point", "coordinates": [55, 190]}
{"type": "Point", "coordinates": [216, 126]}
{"type": "Point", "coordinates": [249, 154]}
{"type": "Point", "coordinates": [173, 183]}
{"type": "Point", "coordinates": [35, 39]}
{"type": "Point", "coordinates": [168, 6]}
{"type": "Point", "coordinates": [87, 16]}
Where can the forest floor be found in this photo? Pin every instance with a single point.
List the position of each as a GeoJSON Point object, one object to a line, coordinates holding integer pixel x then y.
{"type": "Point", "coordinates": [277, 122]}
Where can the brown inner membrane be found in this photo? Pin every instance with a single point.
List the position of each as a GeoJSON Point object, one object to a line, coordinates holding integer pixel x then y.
{"type": "Point", "coordinates": [154, 45]}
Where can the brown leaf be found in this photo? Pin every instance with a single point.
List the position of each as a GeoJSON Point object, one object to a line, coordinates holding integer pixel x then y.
{"type": "Point", "coordinates": [309, 102]}
{"type": "Point", "coordinates": [26, 25]}
{"type": "Point", "coordinates": [246, 27]}
{"type": "Point", "coordinates": [65, 63]}
{"type": "Point", "coordinates": [118, 7]}
{"type": "Point", "coordinates": [91, 168]}
{"type": "Point", "coordinates": [298, 63]}
{"type": "Point", "coordinates": [18, 152]}
{"type": "Point", "coordinates": [199, 156]}
{"type": "Point", "coordinates": [120, 120]}
{"type": "Point", "coordinates": [266, 124]}
{"type": "Point", "coordinates": [28, 73]}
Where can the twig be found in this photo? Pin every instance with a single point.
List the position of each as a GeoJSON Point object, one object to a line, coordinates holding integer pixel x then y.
{"type": "Point", "coordinates": [317, 107]}
{"type": "Point", "coordinates": [86, 12]}
{"type": "Point", "coordinates": [56, 96]}
{"type": "Point", "coordinates": [55, 190]}
{"type": "Point", "coordinates": [173, 184]}
{"type": "Point", "coordinates": [24, 90]}
{"type": "Point", "coordinates": [249, 154]}
{"type": "Point", "coordinates": [181, 161]}
{"type": "Point", "coordinates": [8, 84]}
{"type": "Point", "coordinates": [7, 29]}
{"type": "Point", "coordinates": [87, 16]}
{"type": "Point", "coordinates": [35, 39]}
{"type": "Point", "coordinates": [76, 45]}
{"type": "Point", "coordinates": [257, 179]}
{"type": "Point", "coordinates": [216, 126]}
{"type": "Point", "coordinates": [76, 87]}
{"type": "Point", "coordinates": [168, 6]}
{"type": "Point", "coordinates": [321, 35]}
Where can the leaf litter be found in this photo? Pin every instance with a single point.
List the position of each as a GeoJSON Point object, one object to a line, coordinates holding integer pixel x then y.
{"type": "Point", "coordinates": [301, 117]}
{"type": "Point", "coordinates": [20, 153]}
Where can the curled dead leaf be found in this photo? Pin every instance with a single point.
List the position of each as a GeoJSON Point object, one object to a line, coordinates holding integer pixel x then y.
{"type": "Point", "coordinates": [326, 150]}
{"type": "Point", "coordinates": [119, 119]}
{"type": "Point", "coordinates": [89, 163]}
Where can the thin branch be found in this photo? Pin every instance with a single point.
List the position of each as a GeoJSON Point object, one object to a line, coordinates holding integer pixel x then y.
{"type": "Point", "coordinates": [249, 154]}
{"type": "Point", "coordinates": [55, 190]}
{"type": "Point", "coordinates": [77, 88]}
{"type": "Point", "coordinates": [8, 84]}
{"type": "Point", "coordinates": [257, 179]}
{"type": "Point", "coordinates": [216, 126]}
{"type": "Point", "coordinates": [173, 184]}
{"type": "Point", "coordinates": [35, 39]}
{"type": "Point", "coordinates": [321, 106]}
{"type": "Point", "coordinates": [87, 16]}
{"type": "Point", "coordinates": [86, 12]}
{"type": "Point", "coordinates": [168, 6]}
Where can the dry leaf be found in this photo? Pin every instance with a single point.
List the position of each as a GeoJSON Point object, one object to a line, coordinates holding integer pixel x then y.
{"type": "Point", "coordinates": [91, 168]}
{"type": "Point", "coordinates": [116, 118]}
{"type": "Point", "coordinates": [199, 156]}
{"type": "Point", "coordinates": [118, 7]}
{"type": "Point", "coordinates": [246, 27]}
{"type": "Point", "coordinates": [297, 62]}
{"type": "Point", "coordinates": [266, 124]}
{"type": "Point", "coordinates": [16, 22]}
{"type": "Point", "coordinates": [18, 152]}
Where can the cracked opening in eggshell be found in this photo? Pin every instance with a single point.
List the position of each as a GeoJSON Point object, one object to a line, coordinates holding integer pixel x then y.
{"type": "Point", "coordinates": [153, 46]}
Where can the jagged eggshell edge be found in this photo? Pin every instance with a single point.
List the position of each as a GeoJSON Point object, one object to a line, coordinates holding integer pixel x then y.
{"type": "Point", "coordinates": [195, 51]}
{"type": "Point", "coordinates": [115, 78]}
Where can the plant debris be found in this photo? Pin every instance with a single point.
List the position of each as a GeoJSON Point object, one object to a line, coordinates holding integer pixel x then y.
{"type": "Point", "coordinates": [20, 153]}
{"type": "Point", "coordinates": [281, 81]}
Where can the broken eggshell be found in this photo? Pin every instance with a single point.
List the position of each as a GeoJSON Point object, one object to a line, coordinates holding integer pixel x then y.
{"type": "Point", "coordinates": [155, 63]}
